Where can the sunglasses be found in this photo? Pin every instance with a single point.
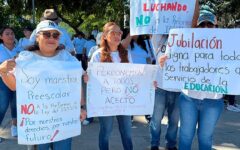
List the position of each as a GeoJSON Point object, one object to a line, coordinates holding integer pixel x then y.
{"type": "Point", "coordinates": [115, 33]}
{"type": "Point", "coordinates": [206, 24]}
{"type": "Point", "coordinates": [48, 35]}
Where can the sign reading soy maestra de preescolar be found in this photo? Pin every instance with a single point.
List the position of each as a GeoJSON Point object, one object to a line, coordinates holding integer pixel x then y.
{"type": "Point", "coordinates": [48, 101]}
{"type": "Point", "coordinates": [159, 16]}
{"type": "Point", "coordinates": [203, 60]}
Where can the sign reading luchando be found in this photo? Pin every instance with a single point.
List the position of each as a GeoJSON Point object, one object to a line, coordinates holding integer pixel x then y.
{"type": "Point", "coordinates": [159, 16]}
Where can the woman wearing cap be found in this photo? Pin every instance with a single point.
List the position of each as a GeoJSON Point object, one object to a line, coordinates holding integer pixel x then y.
{"type": "Point", "coordinates": [199, 108]}
{"type": "Point", "coordinates": [64, 40]}
{"type": "Point", "coordinates": [8, 50]}
{"type": "Point", "coordinates": [45, 48]}
{"type": "Point", "coordinates": [205, 108]}
{"type": "Point", "coordinates": [112, 51]}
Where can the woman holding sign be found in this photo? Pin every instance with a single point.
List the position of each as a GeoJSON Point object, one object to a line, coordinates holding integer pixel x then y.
{"type": "Point", "coordinates": [45, 48]}
{"type": "Point", "coordinates": [112, 51]}
{"type": "Point", "coordinates": [200, 109]}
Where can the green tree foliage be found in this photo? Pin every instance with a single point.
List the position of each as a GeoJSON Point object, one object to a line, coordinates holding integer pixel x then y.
{"type": "Point", "coordinates": [10, 19]}
{"type": "Point", "coordinates": [227, 11]}
{"type": "Point", "coordinates": [81, 15]}
{"type": "Point", "coordinates": [84, 15]}
{"type": "Point", "coordinates": [3, 14]}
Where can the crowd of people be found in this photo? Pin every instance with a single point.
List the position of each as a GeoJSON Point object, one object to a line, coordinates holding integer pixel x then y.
{"type": "Point", "coordinates": [112, 45]}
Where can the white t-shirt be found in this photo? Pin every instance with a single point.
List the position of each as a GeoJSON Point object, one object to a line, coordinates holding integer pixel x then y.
{"type": "Point", "coordinates": [88, 45]}
{"type": "Point", "coordinates": [6, 54]}
{"type": "Point", "coordinates": [23, 43]}
{"type": "Point", "coordinates": [96, 57]}
{"type": "Point", "coordinates": [159, 43]}
{"type": "Point", "coordinates": [30, 56]}
{"type": "Point", "coordinates": [64, 39]}
{"type": "Point", "coordinates": [62, 55]}
{"type": "Point", "coordinates": [92, 50]}
{"type": "Point", "coordinates": [139, 55]}
{"type": "Point", "coordinates": [78, 44]}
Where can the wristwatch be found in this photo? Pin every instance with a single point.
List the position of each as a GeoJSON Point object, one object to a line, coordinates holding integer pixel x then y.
{"type": "Point", "coordinates": [83, 107]}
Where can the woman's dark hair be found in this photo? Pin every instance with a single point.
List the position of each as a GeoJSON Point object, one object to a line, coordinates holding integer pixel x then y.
{"type": "Point", "coordinates": [125, 33]}
{"type": "Point", "coordinates": [140, 41]}
{"type": "Point", "coordinates": [105, 50]}
{"type": "Point", "coordinates": [28, 28]}
{"type": "Point", "coordinates": [3, 29]}
{"type": "Point", "coordinates": [81, 34]}
{"type": "Point", "coordinates": [91, 37]}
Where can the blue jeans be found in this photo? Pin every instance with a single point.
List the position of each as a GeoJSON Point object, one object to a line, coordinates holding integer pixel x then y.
{"type": "Point", "coordinates": [205, 113]}
{"type": "Point", "coordinates": [60, 145]}
{"type": "Point", "coordinates": [7, 96]}
{"type": "Point", "coordinates": [106, 126]}
{"type": "Point", "coordinates": [165, 100]}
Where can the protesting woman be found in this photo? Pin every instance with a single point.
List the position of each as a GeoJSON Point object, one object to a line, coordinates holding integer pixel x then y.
{"type": "Point", "coordinates": [200, 109]}
{"type": "Point", "coordinates": [112, 51]}
{"type": "Point", "coordinates": [46, 48]}
{"type": "Point", "coordinates": [205, 108]}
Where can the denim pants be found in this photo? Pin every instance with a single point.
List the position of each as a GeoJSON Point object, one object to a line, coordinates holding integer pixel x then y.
{"type": "Point", "coordinates": [106, 126]}
{"type": "Point", "coordinates": [204, 113]}
{"type": "Point", "coordinates": [60, 145]}
{"type": "Point", "coordinates": [7, 97]}
{"type": "Point", "coordinates": [165, 100]}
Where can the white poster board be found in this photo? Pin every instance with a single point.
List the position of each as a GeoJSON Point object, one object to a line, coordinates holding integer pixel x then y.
{"type": "Point", "coordinates": [203, 60]}
{"type": "Point", "coordinates": [159, 16]}
{"type": "Point", "coordinates": [120, 89]}
{"type": "Point", "coordinates": [48, 101]}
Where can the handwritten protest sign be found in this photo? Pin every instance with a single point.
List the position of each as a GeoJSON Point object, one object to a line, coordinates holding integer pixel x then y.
{"type": "Point", "coordinates": [120, 89]}
{"type": "Point", "coordinates": [203, 60]}
{"type": "Point", "coordinates": [159, 16]}
{"type": "Point", "coordinates": [48, 101]}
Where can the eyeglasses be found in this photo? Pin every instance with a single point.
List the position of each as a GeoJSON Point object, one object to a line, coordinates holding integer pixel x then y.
{"type": "Point", "coordinates": [206, 24]}
{"type": "Point", "coordinates": [115, 33]}
{"type": "Point", "coordinates": [48, 35]}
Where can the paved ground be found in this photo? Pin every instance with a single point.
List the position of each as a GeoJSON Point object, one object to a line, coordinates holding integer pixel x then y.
{"type": "Point", "coordinates": [226, 137]}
